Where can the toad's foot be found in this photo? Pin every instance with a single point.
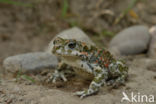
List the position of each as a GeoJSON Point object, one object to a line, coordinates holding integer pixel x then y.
{"type": "Point", "coordinates": [98, 81]}
{"type": "Point", "coordinates": [118, 81]}
{"type": "Point", "coordinates": [56, 75]}
{"type": "Point", "coordinates": [93, 88]}
{"type": "Point", "coordinates": [85, 93]}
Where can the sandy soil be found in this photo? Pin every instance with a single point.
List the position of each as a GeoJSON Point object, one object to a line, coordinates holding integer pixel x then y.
{"type": "Point", "coordinates": [25, 29]}
{"type": "Point", "coordinates": [140, 80]}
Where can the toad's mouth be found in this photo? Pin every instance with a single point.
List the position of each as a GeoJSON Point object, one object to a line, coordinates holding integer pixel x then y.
{"type": "Point", "coordinates": [66, 55]}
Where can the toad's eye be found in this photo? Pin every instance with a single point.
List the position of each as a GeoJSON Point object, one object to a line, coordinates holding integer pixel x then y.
{"type": "Point", "coordinates": [72, 45]}
{"type": "Point", "coordinates": [54, 42]}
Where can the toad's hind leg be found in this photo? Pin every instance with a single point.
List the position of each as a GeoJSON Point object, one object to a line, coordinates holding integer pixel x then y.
{"type": "Point", "coordinates": [120, 80]}
{"type": "Point", "coordinates": [122, 73]}
{"type": "Point", "coordinates": [98, 81]}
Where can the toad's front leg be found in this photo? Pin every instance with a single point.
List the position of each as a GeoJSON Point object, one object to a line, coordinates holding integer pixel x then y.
{"type": "Point", "coordinates": [59, 73]}
{"type": "Point", "coordinates": [98, 81]}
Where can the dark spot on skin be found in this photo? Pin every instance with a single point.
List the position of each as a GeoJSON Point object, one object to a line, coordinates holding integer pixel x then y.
{"type": "Point", "coordinates": [82, 65]}
{"type": "Point", "coordinates": [90, 66]}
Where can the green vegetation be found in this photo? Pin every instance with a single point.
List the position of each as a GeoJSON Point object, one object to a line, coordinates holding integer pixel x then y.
{"type": "Point", "coordinates": [107, 33]}
{"type": "Point", "coordinates": [26, 77]}
{"type": "Point", "coordinates": [73, 23]}
{"type": "Point", "coordinates": [15, 3]}
{"type": "Point", "coordinates": [20, 75]}
{"type": "Point", "coordinates": [65, 8]}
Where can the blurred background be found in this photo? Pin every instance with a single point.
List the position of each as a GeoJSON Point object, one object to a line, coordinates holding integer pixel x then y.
{"type": "Point", "coordinates": [29, 25]}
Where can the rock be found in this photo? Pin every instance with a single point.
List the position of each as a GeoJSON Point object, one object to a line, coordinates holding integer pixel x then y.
{"type": "Point", "coordinates": [30, 62]}
{"type": "Point", "coordinates": [73, 33]}
{"type": "Point", "coordinates": [152, 45]}
{"type": "Point", "coordinates": [133, 40]}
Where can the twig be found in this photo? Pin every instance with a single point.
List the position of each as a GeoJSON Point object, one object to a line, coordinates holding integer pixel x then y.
{"type": "Point", "coordinates": [123, 14]}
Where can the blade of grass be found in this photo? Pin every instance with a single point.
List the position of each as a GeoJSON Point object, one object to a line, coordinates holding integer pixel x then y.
{"type": "Point", "coordinates": [25, 77]}
{"type": "Point", "coordinates": [15, 3]}
{"type": "Point", "coordinates": [28, 78]}
{"type": "Point", "coordinates": [19, 73]}
{"type": "Point", "coordinates": [65, 8]}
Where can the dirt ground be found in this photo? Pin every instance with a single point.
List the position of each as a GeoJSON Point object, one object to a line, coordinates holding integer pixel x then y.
{"type": "Point", "coordinates": [30, 28]}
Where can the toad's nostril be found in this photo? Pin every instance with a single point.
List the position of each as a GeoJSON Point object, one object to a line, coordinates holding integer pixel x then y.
{"type": "Point", "coordinates": [54, 42]}
{"type": "Point", "coordinates": [53, 51]}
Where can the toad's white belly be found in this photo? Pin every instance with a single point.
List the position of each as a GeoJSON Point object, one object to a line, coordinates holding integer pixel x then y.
{"type": "Point", "coordinates": [81, 67]}
{"type": "Point", "coordinates": [72, 62]}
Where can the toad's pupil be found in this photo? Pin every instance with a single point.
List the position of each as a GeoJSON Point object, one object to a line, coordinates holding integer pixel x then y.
{"type": "Point", "coordinates": [72, 45]}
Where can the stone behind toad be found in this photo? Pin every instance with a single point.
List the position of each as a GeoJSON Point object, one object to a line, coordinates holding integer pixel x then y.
{"type": "Point", "coordinates": [130, 41]}
{"type": "Point", "coordinates": [29, 62]}
{"type": "Point", "coordinates": [73, 33]}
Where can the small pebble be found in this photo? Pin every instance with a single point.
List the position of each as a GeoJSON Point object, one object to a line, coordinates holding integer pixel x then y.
{"type": "Point", "coordinates": [152, 45]}
{"type": "Point", "coordinates": [151, 64]}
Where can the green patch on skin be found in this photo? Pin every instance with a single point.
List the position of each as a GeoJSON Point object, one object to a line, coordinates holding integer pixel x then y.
{"type": "Point", "coordinates": [58, 47]}
{"type": "Point", "coordinates": [98, 80]}
{"type": "Point", "coordinates": [103, 76]}
{"type": "Point", "coordinates": [86, 91]}
{"type": "Point", "coordinates": [85, 48]}
{"type": "Point", "coordinates": [98, 71]}
{"type": "Point", "coordinates": [69, 51]}
{"type": "Point", "coordinates": [62, 50]}
{"type": "Point", "coordinates": [122, 69]}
